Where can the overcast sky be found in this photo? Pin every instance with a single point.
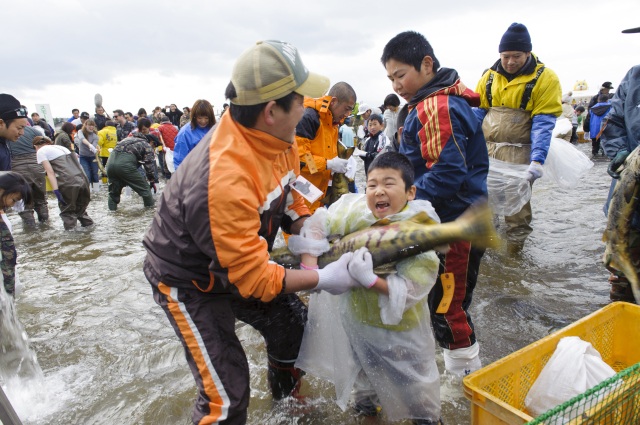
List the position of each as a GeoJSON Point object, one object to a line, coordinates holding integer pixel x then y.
{"type": "Point", "coordinates": [153, 53]}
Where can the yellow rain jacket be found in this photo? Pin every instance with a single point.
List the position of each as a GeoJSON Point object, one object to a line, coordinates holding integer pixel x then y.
{"type": "Point", "coordinates": [545, 97]}
{"type": "Point", "coordinates": [544, 106]}
{"type": "Point", "coordinates": [107, 139]}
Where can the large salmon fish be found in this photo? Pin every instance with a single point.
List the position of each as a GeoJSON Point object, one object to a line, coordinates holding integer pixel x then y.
{"type": "Point", "coordinates": [339, 182]}
{"type": "Point", "coordinates": [393, 241]}
{"type": "Point", "coordinates": [624, 203]}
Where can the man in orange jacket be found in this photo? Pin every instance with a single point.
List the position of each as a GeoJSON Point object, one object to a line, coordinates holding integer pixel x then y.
{"type": "Point", "coordinates": [317, 136]}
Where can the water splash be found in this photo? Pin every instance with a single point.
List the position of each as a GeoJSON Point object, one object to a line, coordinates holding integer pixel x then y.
{"type": "Point", "coordinates": [20, 374]}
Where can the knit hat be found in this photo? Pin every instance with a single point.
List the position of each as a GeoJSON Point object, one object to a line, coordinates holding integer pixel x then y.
{"type": "Point", "coordinates": [515, 39]}
{"type": "Point", "coordinates": [271, 70]}
{"type": "Point", "coordinates": [10, 108]}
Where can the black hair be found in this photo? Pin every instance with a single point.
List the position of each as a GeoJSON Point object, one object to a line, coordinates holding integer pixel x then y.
{"type": "Point", "coordinates": [110, 123]}
{"type": "Point", "coordinates": [603, 97]}
{"type": "Point", "coordinates": [142, 111]}
{"type": "Point", "coordinates": [409, 47]}
{"type": "Point", "coordinates": [119, 112]}
{"type": "Point", "coordinates": [376, 117]}
{"type": "Point", "coordinates": [144, 123]}
{"type": "Point", "coordinates": [580, 108]}
{"type": "Point", "coordinates": [12, 182]}
{"type": "Point", "coordinates": [391, 100]}
{"type": "Point", "coordinates": [247, 115]}
{"type": "Point", "coordinates": [343, 92]}
{"type": "Point", "coordinates": [395, 161]}
{"type": "Point", "coordinates": [75, 109]}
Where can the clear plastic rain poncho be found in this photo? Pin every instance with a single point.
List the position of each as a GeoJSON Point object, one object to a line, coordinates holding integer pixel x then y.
{"type": "Point", "coordinates": [373, 344]}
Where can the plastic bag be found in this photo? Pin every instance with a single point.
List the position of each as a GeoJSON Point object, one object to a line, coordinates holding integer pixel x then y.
{"type": "Point", "coordinates": [168, 158]}
{"type": "Point", "coordinates": [508, 187]}
{"type": "Point", "coordinates": [573, 368]}
{"type": "Point", "coordinates": [562, 128]}
{"type": "Point", "coordinates": [565, 164]}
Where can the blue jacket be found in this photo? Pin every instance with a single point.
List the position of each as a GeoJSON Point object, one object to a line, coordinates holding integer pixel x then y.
{"type": "Point", "coordinates": [443, 139]}
{"type": "Point", "coordinates": [185, 141]}
{"type": "Point", "coordinates": [593, 122]}
{"type": "Point", "coordinates": [622, 131]}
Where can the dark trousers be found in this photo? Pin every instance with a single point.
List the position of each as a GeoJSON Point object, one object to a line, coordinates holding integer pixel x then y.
{"type": "Point", "coordinates": [454, 329]}
{"type": "Point", "coordinates": [122, 170]}
{"type": "Point", "coordinates": [163, 165]}
{"type": "Point", "coordinates": [595, 146]}
{"type": "Point", "coordinates": [27, 166]}
{"type": "Point", "coordinates": [205, 324]}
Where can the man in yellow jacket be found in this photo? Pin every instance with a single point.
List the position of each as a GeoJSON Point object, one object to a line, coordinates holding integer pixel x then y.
{"type": "Point", "coordinates": [520, 99]}
{"type": "Point", "coordinates": [317, 136]}
{"type": "Point", "coordinates": [107, 139]}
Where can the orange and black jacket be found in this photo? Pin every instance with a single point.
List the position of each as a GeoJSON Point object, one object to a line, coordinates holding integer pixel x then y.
{"type": "Point", "coordinates": [220, 214]}
{"type": "Point", "coordinates": [318, 136]}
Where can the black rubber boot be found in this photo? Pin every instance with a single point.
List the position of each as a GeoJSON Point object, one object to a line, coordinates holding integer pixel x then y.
{"type": "Point", "coordinates": [284, 380]}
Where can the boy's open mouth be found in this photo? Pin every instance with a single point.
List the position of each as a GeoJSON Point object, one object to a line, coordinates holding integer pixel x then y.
{"type": "Point", "coordinates": [382, 205]}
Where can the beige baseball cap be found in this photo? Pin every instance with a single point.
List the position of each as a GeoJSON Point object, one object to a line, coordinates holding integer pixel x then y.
{"type": "Point", "coordinates": [271, 70]}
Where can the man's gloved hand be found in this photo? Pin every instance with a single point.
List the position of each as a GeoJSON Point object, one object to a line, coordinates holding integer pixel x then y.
{"type": "Point", "coordinates": [337, 165]}
{"type": "Point", "coordinates": [535, 171]}
{"type": "Point", "coordinates": [361, 268]}
{"type": "Point", "coordinates": [59, 196]}
{"type": "Point", "coordinates": [315, 227]}
{"type": "Point", "coordinates": [587, 135]}
{"type": "Point", "coordinates": [153, 187]}
{"type": "Point", "coordinates": [313, 235]}
{"type": "Point", "coordinates": [616, 162]}
{"type": "Point", "coordinates": [335, 278]}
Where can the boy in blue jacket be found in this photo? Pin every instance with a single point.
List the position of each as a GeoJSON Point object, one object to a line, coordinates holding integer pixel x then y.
{"type": "Point", "coordinates": [443, 139]}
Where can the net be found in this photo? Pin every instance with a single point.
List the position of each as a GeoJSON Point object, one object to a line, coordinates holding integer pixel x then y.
{"type": "Point", "coordinates": [614, 401]}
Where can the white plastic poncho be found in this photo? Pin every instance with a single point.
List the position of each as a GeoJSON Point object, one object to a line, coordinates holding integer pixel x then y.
{"type": "Point", "coordinates": [373, 344]}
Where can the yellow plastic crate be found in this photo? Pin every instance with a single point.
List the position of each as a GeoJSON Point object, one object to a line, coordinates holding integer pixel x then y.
{"type": "Point", "coordinates": [497, 391]}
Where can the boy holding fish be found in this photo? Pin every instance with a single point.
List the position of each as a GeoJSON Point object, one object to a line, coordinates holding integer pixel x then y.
{"type": "Point", "coordinates": [381, 348]}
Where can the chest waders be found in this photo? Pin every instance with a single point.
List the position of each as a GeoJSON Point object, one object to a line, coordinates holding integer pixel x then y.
{"type": "Point", "coordinates": [74, 186]}
{"type": "Point", "coordinates": [508, 130]}
{"type": "Point", "coordinates": [508, 135]}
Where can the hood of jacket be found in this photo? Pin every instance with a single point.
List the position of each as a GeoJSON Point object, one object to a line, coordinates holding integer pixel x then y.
{"type": "Point", "coordinates": [446, 82]}
{"type": "Point", "coordinates": [600, 108]}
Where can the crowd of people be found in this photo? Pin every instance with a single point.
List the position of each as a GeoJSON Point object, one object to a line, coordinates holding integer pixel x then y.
{"type": "Point", "coordinates": [229, 191]}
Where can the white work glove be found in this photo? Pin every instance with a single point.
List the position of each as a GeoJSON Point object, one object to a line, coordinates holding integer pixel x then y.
{"type": "Point", "coordinates": [535, 171]}
{"type": "Point", "coordinates": [359, 152]}
{"type": "Point", "coordinates": [587, 135]}
{"type": "Point", "coordinates": [335, 277]}
{"type": "Point", "coordinates": [337, 165]}
{"type": "Point", "coordinates": [361, 268]}
{"type": "Point", "coordinates": [313, 235]}
{"type": "Point", "coordinates": [93, 149]}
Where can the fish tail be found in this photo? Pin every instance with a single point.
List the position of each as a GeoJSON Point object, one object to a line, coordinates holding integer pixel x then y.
{"type": "Point", "coordinates": [477, 226]}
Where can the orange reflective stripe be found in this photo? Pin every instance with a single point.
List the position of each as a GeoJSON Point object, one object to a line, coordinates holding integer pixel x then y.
{"type": "Point", "coordinates": [219, 403]}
